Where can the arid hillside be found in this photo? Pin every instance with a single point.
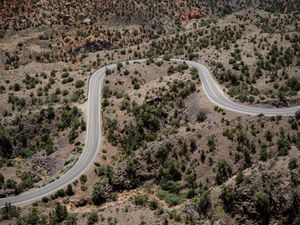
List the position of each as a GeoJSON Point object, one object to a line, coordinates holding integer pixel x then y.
{"type": "Point", "coordinates": [168, 155]}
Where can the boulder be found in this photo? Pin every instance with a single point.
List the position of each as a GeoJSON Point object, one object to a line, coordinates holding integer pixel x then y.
{"type": "Point", "coordinates": [87, 21]}
{"type": "Point", "coordinates": [190, 212]}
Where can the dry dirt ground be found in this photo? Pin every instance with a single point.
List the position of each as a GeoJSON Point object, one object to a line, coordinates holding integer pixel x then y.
{"type": "Point", "coordinates": [152, 78]}
{"type": "Point", "coordinates": [28, 44]}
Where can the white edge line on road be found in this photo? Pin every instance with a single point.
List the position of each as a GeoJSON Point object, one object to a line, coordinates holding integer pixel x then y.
{"type": "Point", "coordinates": [101, 72]}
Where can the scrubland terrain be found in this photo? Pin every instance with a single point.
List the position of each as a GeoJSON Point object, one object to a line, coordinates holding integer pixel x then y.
{"type": "Point", "coordinates": [169, 156]}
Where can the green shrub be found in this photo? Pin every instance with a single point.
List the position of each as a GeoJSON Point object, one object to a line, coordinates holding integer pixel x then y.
{"type": "Point", "coordinates": [26, 180]}
{"type": "Point", "coordinates": [59, 214]}
{"type": "Point", "coordinates": [223, 171]}
{"type": "Point", "coordinates": [201, 117]}
{"type": "Point", "coordinates": [79, 84]}
{"type": "Point", "coordinates": [83, 179]}
{"type": "Point", "coordinates": [263, 205]}
{"type": "Point", "coordinates": [194, 73]}
{"type": "Point", "coordinates": [202, 202]}
{"type": "Point", "coordinates": [45, 199]}
{"type": "Point", "coordinates": [153, 204]}
{"type": "Point", "coordinates": [2, 180]}
{"type": "Point", "coordinates": [60, 193]}
{"type": "Point", "coordinates": [98, 194]}
{"type": "Point", "coordinates": [141, 200]}
{"type": "Point", "coordinates": [5, 143]}
{"type": "Point", "coordinates": [170, 198]}
{"type": "Point", "coordinates": [293, 163]}
{"type": "Point", "coordinates": [240, 178]}
{"type": "Point", "coordinates": [227, 196]}
{"type": "Point", "coordinates": [9, 211]}
{"type": "Point", "coordinates": [92, 218]}
{"type": "Point", "coordinates": [69, 190]}
{"type": "Point", "coordinates": [284, 145]}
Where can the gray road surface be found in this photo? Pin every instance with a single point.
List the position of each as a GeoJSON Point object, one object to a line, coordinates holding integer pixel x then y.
{"type": "Point", "coordinates": [93, 135]}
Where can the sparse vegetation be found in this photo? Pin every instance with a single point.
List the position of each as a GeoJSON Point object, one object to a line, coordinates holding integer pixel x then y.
{"type": "Point", "coordinates": [168, 156]}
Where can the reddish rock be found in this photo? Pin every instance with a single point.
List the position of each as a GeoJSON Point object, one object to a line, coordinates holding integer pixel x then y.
{"type": "Point", "coordinates": [192, 13]}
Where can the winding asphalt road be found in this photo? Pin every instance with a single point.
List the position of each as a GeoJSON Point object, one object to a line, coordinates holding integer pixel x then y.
{"type": "Point", "coordinates": [93, 136]}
